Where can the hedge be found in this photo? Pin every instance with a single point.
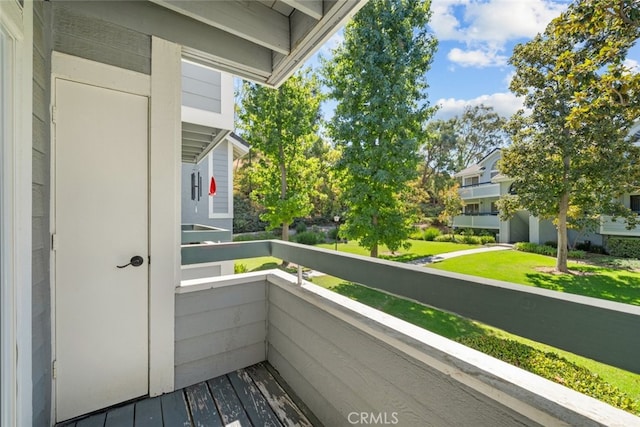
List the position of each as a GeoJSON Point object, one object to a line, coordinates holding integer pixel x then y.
{"type": "Point", "coordinates": [623, 247]}
{"type": "Point", "coordinates": [552, 367]}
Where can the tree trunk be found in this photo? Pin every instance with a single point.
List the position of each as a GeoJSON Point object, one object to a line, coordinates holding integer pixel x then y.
{"type": "Point", "coordinates": [563, 243]}
{"type": "Point", "coordinates": [374, 248]}
{"type": "Point", "coordinates": [283, 190]}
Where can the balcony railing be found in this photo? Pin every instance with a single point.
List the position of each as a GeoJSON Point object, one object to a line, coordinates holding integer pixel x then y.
{"type": "Point", "coordinates": [477, 191]}
{"type": "Point", "coordinates": [617, 228]}
{"type": "Point", "coordinates": [484, 220]}
{"type": "Point", "coordinates": [340, 356]}
{"type": "Point", "coordinates": [196, 233]}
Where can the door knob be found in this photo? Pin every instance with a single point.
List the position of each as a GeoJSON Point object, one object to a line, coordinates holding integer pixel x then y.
{"type": "Point", "coordinates": [136, 261]}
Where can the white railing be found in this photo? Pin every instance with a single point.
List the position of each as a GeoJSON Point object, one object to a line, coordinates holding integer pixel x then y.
{"type": "Point", "coordinates": [477, 221]}
{"type": "Point", "coordinates": [478, 191]}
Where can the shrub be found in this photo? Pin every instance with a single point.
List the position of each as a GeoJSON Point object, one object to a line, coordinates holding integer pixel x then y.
{"type": "Point", "coordinates": [264, 235]}
{"type": "Point", "coordinates": [333, 233]}
{"type": "Point", "coordinates": [624, 247]}
{"type": "Point", "coordinates": [487, 239]}
{"type": "Point", "coordinates": [470, 239]}
{"type": "Point", "coordinates": [239, 268]}
{"type": "Point", "coordinates": [430, 234]}
{"type": "Point", "coordinates": [445, 238]}
{"type": "Point", "coordinates": [309, 238]}
{"type": "Point", "coordinates": [552, 367]}
{"type": "Point", "coordinates": [535, 248]}
{"type": "Point", "coordinates": [301, 227]}
{"type": "Point", "coordinates": [576, 254]}
{"type": "Point", "coordinates": [597, 249]}
{"type": "Point", "coordinates": [551, 243]}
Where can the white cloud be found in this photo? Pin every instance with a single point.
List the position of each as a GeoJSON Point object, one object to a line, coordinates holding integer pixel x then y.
{"type": "Point", "coordinates": [492, 21]}
{"type": "Point", "coordinates": [486, 26]}
{"type": "Point", "coordinates": [633, 65]}
{"type": "Point", "coordinates": [476, 58]}
{"type": "Point", "coordinates": [504, 103]}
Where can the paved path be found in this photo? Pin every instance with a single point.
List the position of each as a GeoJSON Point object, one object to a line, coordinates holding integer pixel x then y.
{"type": "Point", "coordinates": [442, 257]}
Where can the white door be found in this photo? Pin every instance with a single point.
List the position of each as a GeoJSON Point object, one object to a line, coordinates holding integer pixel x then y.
{"type": "Point", "coordinates": [101, 222]}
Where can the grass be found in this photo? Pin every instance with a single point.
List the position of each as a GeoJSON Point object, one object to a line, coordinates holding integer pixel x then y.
{"type": "Point", "coordinates": [522, 267]}
{"type": "Point", "coordinates": [452, 326]}
{"type": "Point", "coordinates": [418, 249]}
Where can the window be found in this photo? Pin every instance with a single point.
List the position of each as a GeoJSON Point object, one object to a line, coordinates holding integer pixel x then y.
{"type": "Point", "coordinates": [494, 169]}
{"type": "Point", "coordinates": [635, 203]}
{"type": "Point", "coordinates": [472, 209]}
{"type": "Point", "coordinates": [472, 181]}
{"type": "Point", "coordinates": [494, 208]}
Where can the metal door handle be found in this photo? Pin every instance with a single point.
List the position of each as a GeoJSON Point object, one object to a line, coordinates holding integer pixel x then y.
{"type": "Point", "coordinates": [136, 261]}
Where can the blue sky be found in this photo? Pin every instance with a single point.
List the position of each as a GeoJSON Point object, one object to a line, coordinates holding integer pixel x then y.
{"type": "Point", "coordinates": [476, 38]}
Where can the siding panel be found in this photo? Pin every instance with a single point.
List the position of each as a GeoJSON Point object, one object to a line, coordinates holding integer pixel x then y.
{"type": "Point", "coordinates": [339, 359]}
{"type": "Point", "coordinates": [220, 167]}
{"type": "Point", "coordinates": [201, 88]}
{"type": "Point", "coordinates": [98, 40]}
{"type": "Point", "coordinates": [219, 330]}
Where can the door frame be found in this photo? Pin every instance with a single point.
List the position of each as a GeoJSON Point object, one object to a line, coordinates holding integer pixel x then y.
{"type": "Point", "coordinates": [163, 89]}
{"type": "Point", "coordinates": [16, 109]}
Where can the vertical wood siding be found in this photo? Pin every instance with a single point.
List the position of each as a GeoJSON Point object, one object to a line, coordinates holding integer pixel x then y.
{"type": "Point", "coordinates": [197, 212]}
{"type": "Point", "coordinates": [92, 38]}
{"type": "Point", "coordinates": [330, 364]}
{"type": "Point", "coordinates": [220, 159]}
{"type": "Point", "coordinates": [219, 330]}
{"type": "Point", "coordinates": [41, 307]}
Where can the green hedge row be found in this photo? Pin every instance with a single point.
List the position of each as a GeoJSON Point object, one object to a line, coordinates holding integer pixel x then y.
{"type": "Point", "coordinates": [471, 240]}
{"type": "Point", "coordinates": [552, 367]}
{"type": "Point", "coordinates": [547, 250]}
{"type": "Point", "coordinates": [624, 247]}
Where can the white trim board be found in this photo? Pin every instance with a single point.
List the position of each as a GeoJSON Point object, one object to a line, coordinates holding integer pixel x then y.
{"type": "Point", "coordinates": [16, 66]}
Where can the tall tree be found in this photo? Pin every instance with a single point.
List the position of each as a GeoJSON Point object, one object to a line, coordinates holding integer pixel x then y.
{"type": "Point", "coordinates": [377, 76]}
{"type": "Point", "coordinates": [281, 125]}
{"type": "Point", "coordinates": [572, 151]}
{"type": "Point", "coordinates": [454, 144]}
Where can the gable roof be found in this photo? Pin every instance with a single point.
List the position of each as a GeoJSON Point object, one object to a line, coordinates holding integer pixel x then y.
{"type": "Point", "coordinates": [476, 168]}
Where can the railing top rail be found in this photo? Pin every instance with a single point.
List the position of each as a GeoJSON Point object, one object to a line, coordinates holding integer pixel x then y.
{"type": "Point", "coordinates": [602, 330]}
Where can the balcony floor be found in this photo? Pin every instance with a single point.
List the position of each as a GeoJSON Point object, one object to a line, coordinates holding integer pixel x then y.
{"type": "Point", "coordinates": [248, 397]}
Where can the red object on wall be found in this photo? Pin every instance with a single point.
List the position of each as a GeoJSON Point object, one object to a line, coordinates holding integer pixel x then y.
{"type": "Point", "coordinates": [212, 187]}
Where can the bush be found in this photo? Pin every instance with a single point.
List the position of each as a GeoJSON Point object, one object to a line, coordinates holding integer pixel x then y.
{"type": "Point", "coordinates": [551, 243]}
{"type": "Point", "coordinates": [597, 249]}
{"type": "Point", "coordinates": [445, 238]}
{"type": "Point", "coordinates": [470, 239]}
{"type": "Point", "coordinates": [624, 247]}
{"type": "Point", "coordinates": [301, 227]}
{"type": "Point", "coordinates": [536, 248]}
{"type": "Point", "coordinates": [487, 239]}
{"type": "Point", "coordinates": [309, 238]}
{"type": "Point", "coordinates": [430, 234]}
{"type": "Point", "coordinates": [333, 233]}
{"type": "Point", "coordinates": [552, 367]}
{"type": "Point", "coordinates": [577, 254]}
{"type": "Point", "coordinates": [263, 235]}
{"type": "Point", "coordinates": [239, 268]}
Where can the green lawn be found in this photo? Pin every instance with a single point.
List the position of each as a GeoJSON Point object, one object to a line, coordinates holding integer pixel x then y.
{"type": "Point", "coordinates": [451, 326]}
{"type": "Point", "coordinates": [523, 268]}
{"type": "Point", "coordinates": [418, 249]}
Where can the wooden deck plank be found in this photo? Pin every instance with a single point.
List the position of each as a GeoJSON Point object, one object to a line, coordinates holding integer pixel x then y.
{"type": "Point", "coordinates": [203, 408]}
{"type": "Point", "coordinates": [228, 403]}
{"type": "Point", "coordinates": [283, 406]}
{"type": "Point", "coordinates": [174, 409]}
{"type": "Point", "coordinates": [253, 401]}
{"type": "Point", "coordinates": [96, 420]}
{"type": "Point", "coordinates": [120, 417]}
{"type": "Point", "coordinates": [148, 413]}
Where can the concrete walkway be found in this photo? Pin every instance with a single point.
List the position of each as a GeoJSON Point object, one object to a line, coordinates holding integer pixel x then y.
{"type": "Point", "coordinates": [442, 257]}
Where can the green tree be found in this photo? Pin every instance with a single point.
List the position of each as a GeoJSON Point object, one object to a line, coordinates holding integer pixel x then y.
{"type": "Point", "coordinates": [454, 144]}
{"type": "Point", "coordinates": [281, 125]}
{"type": "Point", "coordinates": [571, 151]}
{"type": "Point", "coordinates": [378, 78]}
{"type": "Point", "coordinates": [453, 205]}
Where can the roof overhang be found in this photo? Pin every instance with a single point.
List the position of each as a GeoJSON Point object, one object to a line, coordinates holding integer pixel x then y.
{"type": "Point", "coordinates": [260, 40]}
